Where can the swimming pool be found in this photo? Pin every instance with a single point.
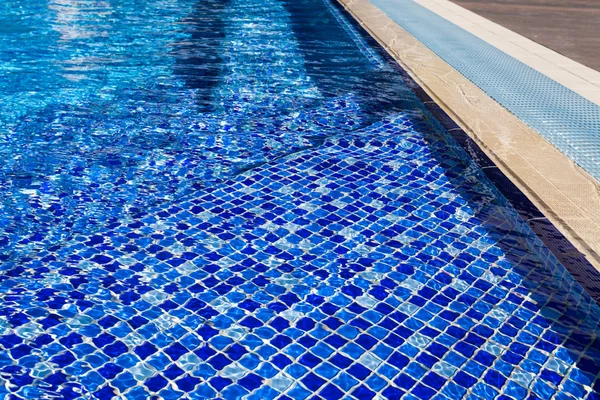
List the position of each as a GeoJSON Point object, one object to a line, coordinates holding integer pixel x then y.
{"type": "Point", "coordinates": [245, 199]}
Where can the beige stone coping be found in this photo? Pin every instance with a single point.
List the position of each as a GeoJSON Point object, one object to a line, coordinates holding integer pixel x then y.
{"type": "Point", "coordinates": [581, 79]}
{"type": "Point", "coordinates": [565, 193]}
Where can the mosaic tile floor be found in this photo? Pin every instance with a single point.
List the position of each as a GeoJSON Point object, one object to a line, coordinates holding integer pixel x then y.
{"type": "Point", "coordinates": [284, 234]}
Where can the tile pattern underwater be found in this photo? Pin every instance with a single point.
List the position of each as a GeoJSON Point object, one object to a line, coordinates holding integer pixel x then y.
{"type": "Point", "coordinates": [244, 199]}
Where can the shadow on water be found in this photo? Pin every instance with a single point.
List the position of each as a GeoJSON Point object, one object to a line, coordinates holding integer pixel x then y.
{"type": "Point", "coordinates": [337, 65]}
{"type": "Point", "coordinates": [198, 58]}
{"type": "Point", "coordinates": [332, 60]}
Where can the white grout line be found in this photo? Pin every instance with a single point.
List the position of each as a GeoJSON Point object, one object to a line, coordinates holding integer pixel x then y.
{"type": "Point", "coordinates": [571, 74]}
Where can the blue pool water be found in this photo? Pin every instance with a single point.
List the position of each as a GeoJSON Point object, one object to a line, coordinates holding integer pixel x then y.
{"type": "Point", "coordinates": [244, 199]}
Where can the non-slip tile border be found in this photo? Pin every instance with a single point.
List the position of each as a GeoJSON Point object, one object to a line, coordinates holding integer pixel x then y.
{"type": "Point", "coordinates": [569, 256]}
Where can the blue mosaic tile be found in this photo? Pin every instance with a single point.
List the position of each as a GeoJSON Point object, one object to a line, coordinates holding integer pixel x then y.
{"type": "Point", "coordinates": [265, 228]}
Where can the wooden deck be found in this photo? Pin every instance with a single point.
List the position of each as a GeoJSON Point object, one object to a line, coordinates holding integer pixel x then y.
{"type": "Point", "coordinates": [568, 27]}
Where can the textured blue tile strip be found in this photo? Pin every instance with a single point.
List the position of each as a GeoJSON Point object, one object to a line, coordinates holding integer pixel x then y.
{"type": "Point", "coordinates": [566, 119]}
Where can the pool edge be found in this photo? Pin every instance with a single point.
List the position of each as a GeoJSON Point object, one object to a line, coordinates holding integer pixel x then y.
{"type": "Point", "coordinates": [558, 199]}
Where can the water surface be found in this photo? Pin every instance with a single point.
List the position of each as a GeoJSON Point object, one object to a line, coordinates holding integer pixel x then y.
{"type": "Point", "coordinates": [244, 199]}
